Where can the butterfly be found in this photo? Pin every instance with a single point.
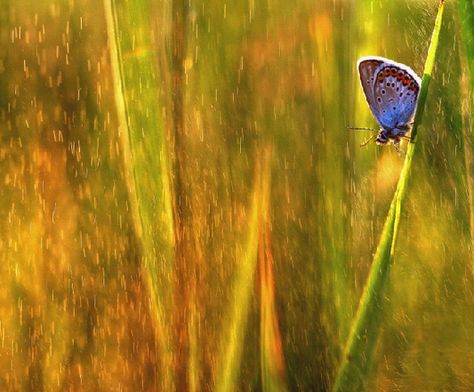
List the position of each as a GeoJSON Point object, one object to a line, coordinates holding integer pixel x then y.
{"type": "Point", "coordinates": [391, 90]}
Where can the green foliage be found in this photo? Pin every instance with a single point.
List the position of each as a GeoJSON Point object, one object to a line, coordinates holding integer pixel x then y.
{"type": "Point", "coordinates": [358, 354]}
{"type": "Point", "coordinates": [145, 162]}
{"type": "Point", "coordinates": [466, 18]}
{"type": "Point", "coordinates": [149, 241]}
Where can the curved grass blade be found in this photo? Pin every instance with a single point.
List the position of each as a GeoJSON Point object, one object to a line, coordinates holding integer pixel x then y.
{"type": "Point", "coordinates": [466, 19]}
{"type": "Point", "coordinates": [352, 374]}
{"type": "Point", "coordinates": [143, 144]}
{"type": "Point", "coordinates": [272, 363]}
{"type": "Point", "coordinates": [232, 339]}
{"type": "Point", "coordinates": [466, 24]}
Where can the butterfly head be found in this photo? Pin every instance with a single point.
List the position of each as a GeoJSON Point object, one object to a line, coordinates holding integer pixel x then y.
{"type": "Point", "coordinates": [395, 134]}
{"type": "Point", "coordinates": [382, 137]}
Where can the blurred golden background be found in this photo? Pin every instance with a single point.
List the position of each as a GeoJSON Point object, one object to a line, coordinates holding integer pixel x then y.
{"type": "Point", "coordinates": [183, 207]}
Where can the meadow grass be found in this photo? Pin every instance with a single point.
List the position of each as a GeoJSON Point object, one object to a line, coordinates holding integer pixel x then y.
{"type": "Point", "coordinates": [358, 353]}
{"type": "Point", "coordinates": [256, 259]}
{"type": "Point", "coordinates": [150, 241]}
{"type": "Point", "coordinates": [145, 160]}
{"type": "Point", "coordinates": [466, 24]}
{"type": "Point", "coordinates": [466, 18]}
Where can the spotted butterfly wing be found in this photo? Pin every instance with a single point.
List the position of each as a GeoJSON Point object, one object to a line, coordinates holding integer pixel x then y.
{"type": "Point", "coordinates": [391, 89]}
{"type": "Point", "coordinates": [367, 67]}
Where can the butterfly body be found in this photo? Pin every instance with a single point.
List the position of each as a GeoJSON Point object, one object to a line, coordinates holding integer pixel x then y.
{"type": "Point", "coordinates": [391, 90]}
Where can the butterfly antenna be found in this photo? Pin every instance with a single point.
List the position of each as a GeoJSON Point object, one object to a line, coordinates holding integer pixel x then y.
{"type": "Point", "coordinates": [368, 140]}
{"type": "Point", "coordinates": [362, 129]}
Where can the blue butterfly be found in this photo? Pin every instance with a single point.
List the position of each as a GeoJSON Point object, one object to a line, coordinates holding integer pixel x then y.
{"type": "Point", "coordinates": [391, 90]}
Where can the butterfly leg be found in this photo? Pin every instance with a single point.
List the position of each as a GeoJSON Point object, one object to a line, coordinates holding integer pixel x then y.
{"type": "Point", "coordinates": [396, 145]}
{"type": "Point", "coordinates": [368, 140]}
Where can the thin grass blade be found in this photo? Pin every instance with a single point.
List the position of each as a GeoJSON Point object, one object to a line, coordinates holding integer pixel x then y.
{"type": "Point", "coordinates": [466, 19]}
{"type": "Point", "coordinates": [232, 339]}
{"type": "Point", "coordinates": [466, 24]}
{"type": "Point", "coordinates": [357, 357]}
{"type": "Point", "coordinates": [272, 364]}
{"type": "Point", "coordinates": [142, 137]}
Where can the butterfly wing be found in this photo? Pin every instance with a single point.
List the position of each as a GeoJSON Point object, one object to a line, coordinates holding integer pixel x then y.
{"type": "Point", "coordinates": [395, 92]}
{"type": "Point", "coordinates": [391, 90]}
{"type": "Point", "coordinates": [367, 67]}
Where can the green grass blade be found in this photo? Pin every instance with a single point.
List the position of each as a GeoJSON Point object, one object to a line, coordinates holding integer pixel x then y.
{"type": "Point", "coordinates": [466, 19]}
{"type": "Point", "coordinates": [272, 363]}
{"type": "Point", "coordinates": [466, 24]}
{"type": "Point", "coordinates": [232, 340]}
{"type": "Point", "coordinates": [352, 374]}
{"type": "Point", "coordinates": [232, 343]}
{"type": "Point", "coordinates": [142, 137]}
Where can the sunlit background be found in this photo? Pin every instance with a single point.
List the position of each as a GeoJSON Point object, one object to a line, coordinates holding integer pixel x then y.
{"type": "Point", "coordinates": [183, 208]}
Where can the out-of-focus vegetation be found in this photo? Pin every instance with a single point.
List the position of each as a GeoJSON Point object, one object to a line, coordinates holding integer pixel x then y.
{"type": "Point", "coordinates": [183, 208]}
